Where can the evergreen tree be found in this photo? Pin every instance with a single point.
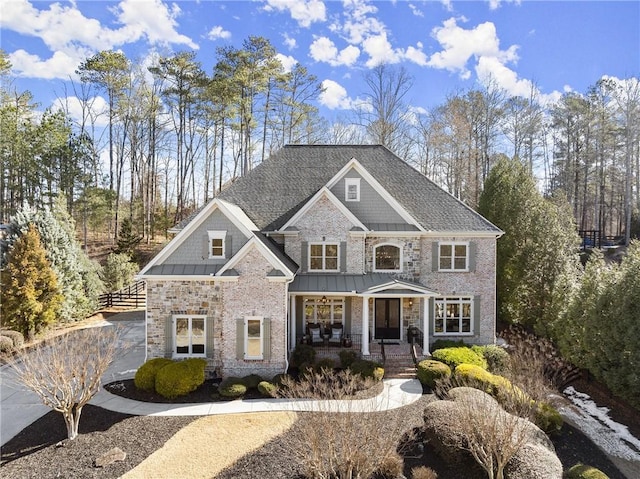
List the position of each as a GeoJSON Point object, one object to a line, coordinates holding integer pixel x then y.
{"type": "Point", "coordinates": [118, 271]}
{"type": "Point", "coordinates": [31, 296]}
{"type": "Point", "coordinates": [127, 239]}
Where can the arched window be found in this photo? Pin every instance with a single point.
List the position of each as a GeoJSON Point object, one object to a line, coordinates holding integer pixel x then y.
{"type": "Point", "coordinates": [388, 257]}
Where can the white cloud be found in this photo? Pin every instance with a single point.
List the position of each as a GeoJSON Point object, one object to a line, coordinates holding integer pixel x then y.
{"type": "Point", "coordinates": [290, 42]}
{"type": "Point", "coordinates": [71, 36]}
{"type": "Point", "coordinates": [491, 69]}
{"type": "Point", "coordinates": [416, 55]}
{"type": "Point", "coordinates": [447, 5]}
{"type": "Point", "coordinates": [324, 50]}
{"type": "Point", "coordinates": [460, 45]}
{"type": "Point", "coordinates": [97, 108]}
{"type": "Point", "coordinates": [495, 4]}
{"type": "Point", "coordinates": [218, 32]}
{"type": "Point", "coordinates": [334, 96]}
{"type": "Point", "coordinates": [415, 10]}
{"type": "Point", "coordinates": [380, 50]}
{"type": "Point", "coordinates": [305, 12]}
{"type": "Point", "coordinates": [359, 25]}
{"type": "Point", "coordinates": [288, 62]}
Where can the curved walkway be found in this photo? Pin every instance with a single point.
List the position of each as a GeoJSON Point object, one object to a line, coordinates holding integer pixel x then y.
{"type": "Point", "coordinates": [396, 393]}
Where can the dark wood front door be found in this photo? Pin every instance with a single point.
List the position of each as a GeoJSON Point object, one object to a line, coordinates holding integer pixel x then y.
{"type": "Point", "coordinates": [387, 318]}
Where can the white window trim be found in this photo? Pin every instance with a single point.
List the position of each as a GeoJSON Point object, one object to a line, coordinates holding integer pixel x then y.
{"type": "Point", "coordinates": [351, 182]}
{"type": "Point", "coordinates": [450, 300]}
{"type": "Point", "coordinates": [217, 235]}
{"type": "Point", "coordinates": [190, 317]}
{"type": "Point", "coordinates": [324, 256]}
{"type": "Point", "coordinates": [315, 301]}
{"type": "Point", "coordinates": [399, 270]}
{"type": "Point", "coordinates": [246, 337]}
{"type": "Point", "coordinates": [453, 245]}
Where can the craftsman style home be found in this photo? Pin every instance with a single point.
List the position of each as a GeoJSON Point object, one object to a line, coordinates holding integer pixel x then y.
{"type": "Point", "coordinates": [333, 246]}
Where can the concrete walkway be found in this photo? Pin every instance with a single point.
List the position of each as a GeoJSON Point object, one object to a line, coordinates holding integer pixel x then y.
{"type": "Point", "coordinates": [20, 407]}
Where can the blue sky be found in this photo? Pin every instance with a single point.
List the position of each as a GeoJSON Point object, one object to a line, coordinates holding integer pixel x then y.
{"type": "Point", "coordinates": [447, 46]}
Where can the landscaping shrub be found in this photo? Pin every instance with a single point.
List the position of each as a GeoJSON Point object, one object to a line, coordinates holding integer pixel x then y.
{"type": "Point", "coordinates": [6, 345]}
{"type": "Point", "coordinates": [367, 369]}
{"type": "Point", "coordinates": [429, 371]}
{"type": "Point", "coordinates": [267, 389]}
{"type": "Point", "coordinates": [16, 337]}
{"type": "Point", "coordinates": [581, 471]}
{"type": "Point", "coordinates": [251, 381]}
{"type": "Point", "coordinates": [447, 343]}
{"type": "Point", "coordinates": [232, 388]}
{"type": "Point", "coordinates": [497, 358]}
{"type": "Point", "coordinates": [325, 363]}
{"type": "Point", "coordinates": [347, 357]}
{"type": "Point", "coordinates": [453, 357]}
{"type": "Point", "coordinates": [145, 377]}
{"type": "Point", "coordinates": [303, 354]}
{"type": "Point", "coordinates": [279, 378]}
{"type": "Point", "coordinates": [548, 418]}
{"type": "Point", "coordinates": [179, 378]}
{"type": "Point", "coordinates": [423, 472]}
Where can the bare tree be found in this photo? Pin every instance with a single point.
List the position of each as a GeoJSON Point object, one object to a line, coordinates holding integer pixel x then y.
{"type": "Point", "coordinates": [65, 371]}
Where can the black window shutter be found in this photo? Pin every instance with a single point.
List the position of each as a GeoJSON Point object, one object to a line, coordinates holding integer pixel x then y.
{"type": "Point", "coordinates": [476, 315]}
{"type": "Point", "coordinates": [239, 339]}
{"type": "Point", "coordinates": [228, 246]}
{"type": "Point", "coordinates": [304, 256]}
{"type": "Point", "coordinates": [343, 256]}
{"type": "Point", "coordinates": [435, 256]}
{"type": "Point", "coordinates": [209, 338]}
{"type": "Point", "coordinates": [168, 337]}
{"type": "Point", "coordinates": [473, 247]}
{"type": "Point", "coordinates": [266, 339]}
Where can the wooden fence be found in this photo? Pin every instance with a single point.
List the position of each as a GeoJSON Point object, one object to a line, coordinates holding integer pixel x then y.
{"type": "Point", "coordinates": [132, 296]}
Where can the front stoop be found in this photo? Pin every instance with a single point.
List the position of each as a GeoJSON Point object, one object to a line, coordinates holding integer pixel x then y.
{"type": "Point", "coordinates": [399, 367]}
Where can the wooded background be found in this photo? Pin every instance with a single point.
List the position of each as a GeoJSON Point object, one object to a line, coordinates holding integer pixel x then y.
{"type": "Point", "coordinates": [175, 135]}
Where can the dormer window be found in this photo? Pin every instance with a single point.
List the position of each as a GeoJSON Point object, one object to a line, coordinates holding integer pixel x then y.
{"type": "Point", "coordinates": [217, 244]}
{"type": "Point", "coordinates": [388, 257]}
{"type": "Point", "coordinates": [352, 189]}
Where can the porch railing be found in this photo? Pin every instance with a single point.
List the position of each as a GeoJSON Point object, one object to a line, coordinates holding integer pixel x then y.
{"type": "Point", "coordinates": [350, 341]}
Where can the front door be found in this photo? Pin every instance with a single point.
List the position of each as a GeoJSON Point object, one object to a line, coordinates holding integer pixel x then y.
{"type": "Point", "coordinates": [387, 318]}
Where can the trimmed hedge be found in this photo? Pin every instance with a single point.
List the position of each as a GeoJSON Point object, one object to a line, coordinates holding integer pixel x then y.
{"type": "Point", "coordinates": [267, 389]}
{"type": "Point", "coordinates": [180, 378]}
{"type": "Point", "coordinates": [453, 357]}
{"type": "Point", "coordinates": [548, 418]}
{"type": "Point", "coordinates": [367, 369]}
{"type": "Point", "coordinates": [497, 358]}
{"type": "Point", "coordinates": [325, 363]}
{"type": "Point", "coordinates": [302, 355]}
{"type": "Point", "coordinates": [581, 471]}
{"type": "Point", "coordinates": [232, 387]}
{"type": "Point", "coordinates": [347, 357]}
{"type": "Point", "coordinates": [252, 381]}
{"type": "Point", "coordinates": [447, 343]}
{"type": "Point", "coordinates": [145, 377]}
{"type": "Point", "coordinates": [429, 371]}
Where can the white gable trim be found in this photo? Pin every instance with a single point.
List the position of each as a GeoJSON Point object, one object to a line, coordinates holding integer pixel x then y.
{"type": "Point", "coordinates": [355, 164]}
{"type": "Point", "coordinates": [273, 260]}
{"type": "Point", "coordinates": [324, 192]}
{"type": "Point", "coordinates": [397, 284]}
{"type": "Point", "coordinates": [232, 212]}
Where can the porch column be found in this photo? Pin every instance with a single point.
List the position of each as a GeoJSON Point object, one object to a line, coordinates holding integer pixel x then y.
{"type": "Point", "coordinates": [292, 318]}
{"type": "Point", "coordinates": [425, 326]}
{"type": "Point", "coordinates": [365, 326]}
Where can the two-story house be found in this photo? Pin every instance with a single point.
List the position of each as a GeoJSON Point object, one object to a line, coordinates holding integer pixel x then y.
{"type": "Point", "coordinates": [335, 246]}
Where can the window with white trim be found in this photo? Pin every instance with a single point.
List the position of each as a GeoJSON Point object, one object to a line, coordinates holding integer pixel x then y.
{"type": "Point", "coordinates": [352, 189]}
{"type": "Point", "coordinates": [387, 257]}
{"type": "Point", "coordinates": [189, 336]}
{"type": "Point", "coordinates": [323, 256]}
{"type": "Point", "coordinates": [453, 256]}
{"type": "Point", "coordinates": [253, 337]}
{"type": "Point", "coordinates": [217, 244]}
{"type": "Point", "coordinates": [324, 310]}
{"type": "Point", "coordinates": [453, 316]}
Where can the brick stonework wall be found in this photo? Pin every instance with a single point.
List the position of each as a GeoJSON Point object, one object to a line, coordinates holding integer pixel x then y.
{"type": "Point", "coordinates": [254, 295]}
{"type": "Point", "coordinates": [481, 282]}
{"type": "Point", "coordinates": [166, 298]}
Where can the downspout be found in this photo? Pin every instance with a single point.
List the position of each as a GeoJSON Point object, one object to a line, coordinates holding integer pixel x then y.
{"type": "Point", "coordinates": [286, 325]}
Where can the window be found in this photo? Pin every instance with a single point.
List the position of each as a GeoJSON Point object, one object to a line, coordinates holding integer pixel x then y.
{"type": "Point", "coordinates": [453, 316]}
{"type": "Point", "coordinates": [253, 337]}
{"type": "Point", "coordinates": [216, 244]}
{"type": "Point", "coordinates": [189, 335]}
{"type": "Point", "coordinates": [388, 257]}
{"type": "Point", "coordinates": [324, 310]}
{"type": "Point", "coordinates": [323, 257]}
{"type": "Point", "coordinates": [453, 256]}
{"type": "Point", "coordinates": [352, 189]}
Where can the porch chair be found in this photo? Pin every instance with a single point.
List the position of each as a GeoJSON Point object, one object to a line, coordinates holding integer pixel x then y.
{"type": "Point", "coordinates": [315, 333]}
{"type": "Point", "coordinates": [336, 334]}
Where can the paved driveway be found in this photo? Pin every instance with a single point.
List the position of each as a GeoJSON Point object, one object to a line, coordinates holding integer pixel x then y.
{"type": "Point", "coordinates": [20, 407]}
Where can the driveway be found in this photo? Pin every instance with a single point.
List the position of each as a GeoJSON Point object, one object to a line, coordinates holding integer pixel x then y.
{"type": "Point", "coordinates": [20, 407]}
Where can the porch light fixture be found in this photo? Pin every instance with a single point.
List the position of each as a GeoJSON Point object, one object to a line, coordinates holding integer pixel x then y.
{"type": "Point", "coordinates": [324, 300]}
{"type": "Point", "coordinates": [410, 302]}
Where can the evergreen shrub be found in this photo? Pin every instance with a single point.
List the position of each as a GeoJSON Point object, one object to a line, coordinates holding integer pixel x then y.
{"type": "Point", "coordinates": [447, 343]}
{"type": "Point", "coordinates": [548, 418]}
{"type": "Point", "coordinates": [325, 363]}
{"type": "Point", "coordinates": [179, 378]}
{"type": "Point", "coordinates": [429, 371]}
{"type": "Point", "coordinates": [303, 354]}
{"type": "Point", "coordinates": [367, 369]}
{"type": "Point", "coordinates": [145, 377]}
{"type": "Point", "coordinates": [497, 358]}
{"type": "Point", "coordinates": [347, 357]}
{"type": "Point", "coordinates": [453, 357]}
{"type": "Point", "coordinates": [267, 389]}
{"type": "Point", "coordinates": [581, 471]}
{"type": "Point", "coordinates": [251, 381]}
{"type": "Point", "coordinates": [232, 387]}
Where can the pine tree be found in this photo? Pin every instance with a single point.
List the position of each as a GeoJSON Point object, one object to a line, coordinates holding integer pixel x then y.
{"type": "Point", "coordinates": [31, 295]}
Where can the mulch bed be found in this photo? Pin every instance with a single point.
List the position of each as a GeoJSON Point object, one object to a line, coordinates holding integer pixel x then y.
{"type": "Point", "coordinates": [34, 452]}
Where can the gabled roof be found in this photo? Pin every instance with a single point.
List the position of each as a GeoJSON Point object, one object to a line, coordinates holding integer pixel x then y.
{"type": "Point", "coordinates": [277, 188]}
{"type": "Point", "coordinates": [272, 254]}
